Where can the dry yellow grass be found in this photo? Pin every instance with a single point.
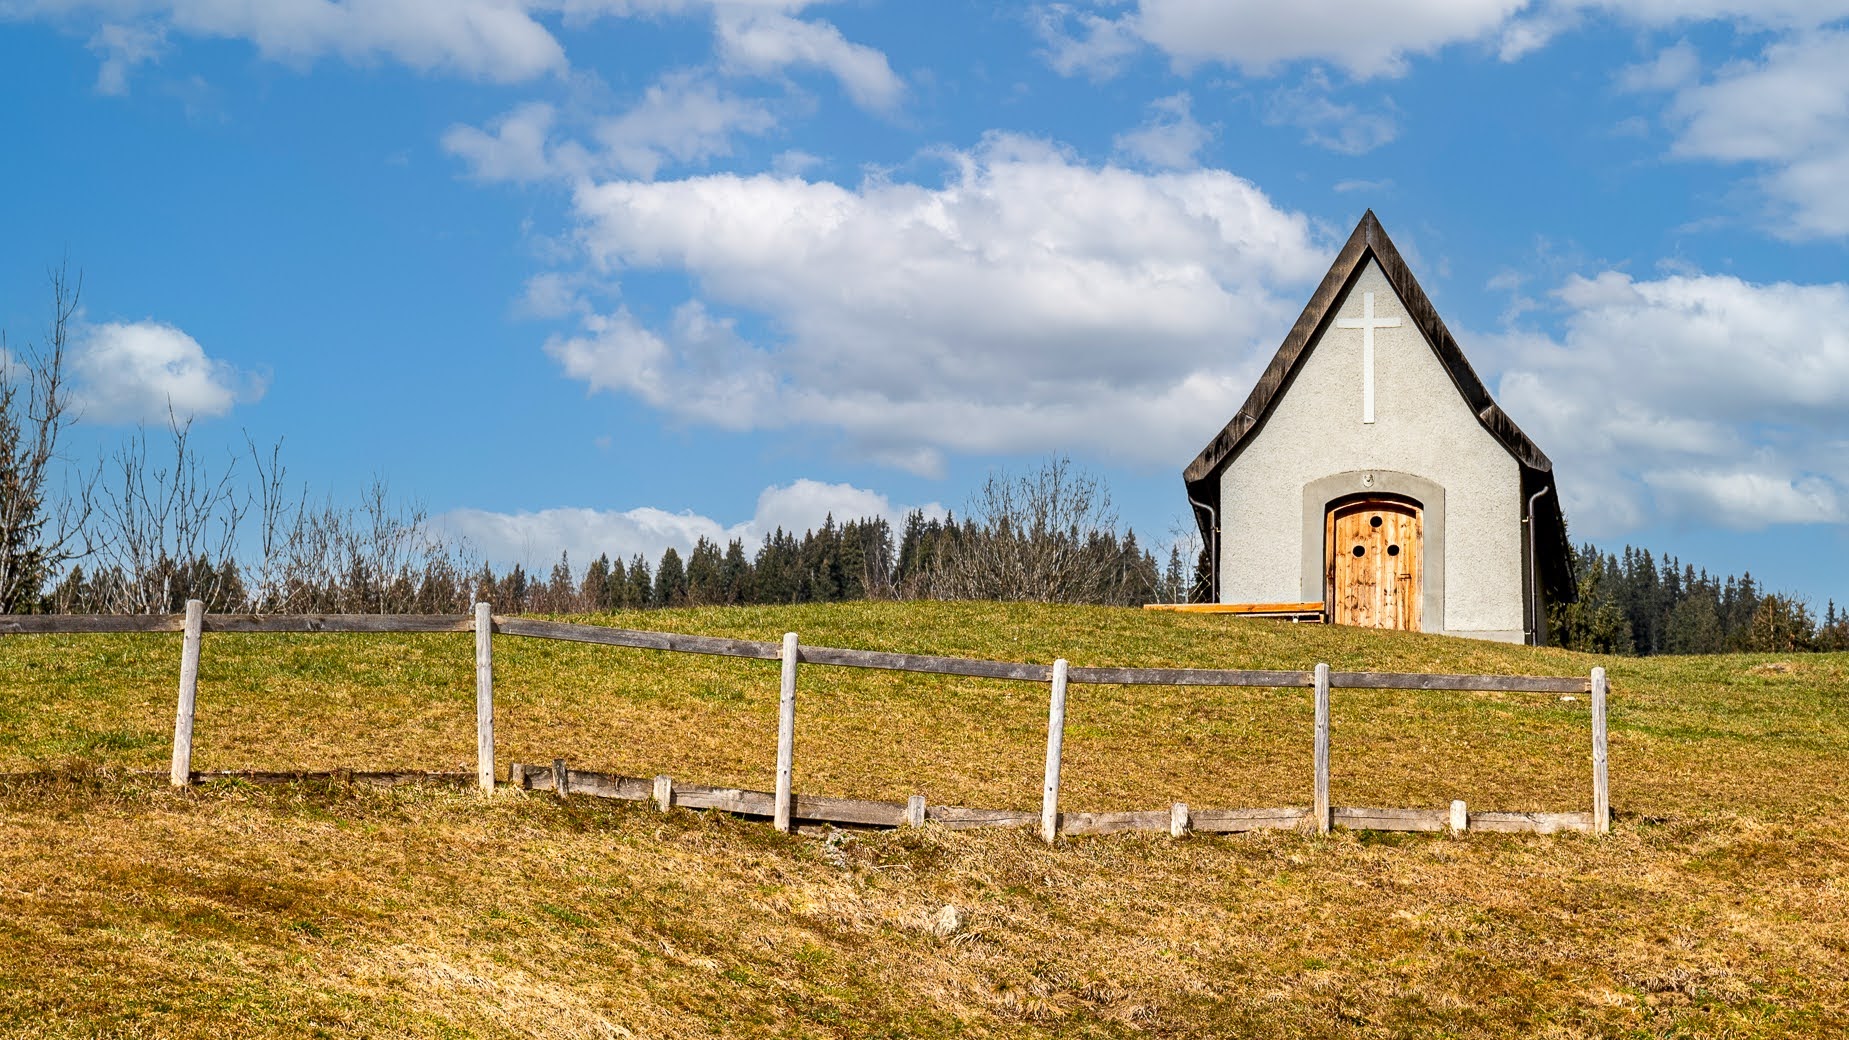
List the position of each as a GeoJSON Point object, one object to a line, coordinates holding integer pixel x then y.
{"type": "Point", "coordinates": [1718, 908]}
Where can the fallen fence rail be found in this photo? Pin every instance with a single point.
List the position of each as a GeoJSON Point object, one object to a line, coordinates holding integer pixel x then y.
{"type": "Point", "coordinates": [786, 808]}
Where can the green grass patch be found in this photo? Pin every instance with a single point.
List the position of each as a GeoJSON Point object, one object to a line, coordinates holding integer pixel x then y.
{"type": "Point", "coordinates": [1718, 908]}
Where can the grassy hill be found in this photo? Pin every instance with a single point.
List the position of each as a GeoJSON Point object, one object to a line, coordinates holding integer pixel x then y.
{"type": "Point", "coordinates": [1719, 907]}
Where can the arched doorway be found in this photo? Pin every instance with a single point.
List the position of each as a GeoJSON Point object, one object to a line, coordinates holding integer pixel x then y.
{"type": "Point", "coordinates": [1375, 558]}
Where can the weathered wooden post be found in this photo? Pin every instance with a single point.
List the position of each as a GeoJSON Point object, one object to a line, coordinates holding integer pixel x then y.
{"type": "Point", "coordinates": [561, 778]}
{"type": "Point", "coordinates": [484, 696]}
{"type": "Point", "coordinates": [1460, 816]}
{"type": "Point", "coordinates": [182, 773]}
{"type": "Point", "coordinates": [1601, 782]}
{"type": "Point", "coordinates": [1178, 820]}
{"type": "Point", "coordinates": [915, 811]}
{"type": "Point", "coordinates": [1321, 807]}
{"type": "Point", "coordinates": [786, 733]}
{"type": "Point", "coordinates": [664, 793]}
{"type": "Point", "coordinates": [1055, 741]}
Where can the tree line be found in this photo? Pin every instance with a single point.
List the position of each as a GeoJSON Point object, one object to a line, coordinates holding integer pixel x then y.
{"type": "Point", "coordinates": [857, 560]}
{"type": "Point", "coordinates": [1643, 603]}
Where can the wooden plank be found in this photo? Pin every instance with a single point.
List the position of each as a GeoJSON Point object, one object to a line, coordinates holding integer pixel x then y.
{"type": "Point", "coordinates": [1055, 740]}
{"type": "Point", "coordinates": [1532, 822]}
{"type": "Point", "coordinates": [636, 639]}
{"type": "Point", "coordinates": [1474, 683]}
{"type": "Point", "coordinates": [87, 624]}
{"type": "Point", "coordinates": [1320, 796]}
{"type": "Point", "coordinates": [1178, 819]}
{"type": "Point", "coordinates": [339, 623]}
{"type": "Point", "coordinates": [915, 811]}
{"type": "Point", "coordinates": [1114, 822]}
{"type": "Point", "coordinates": [957, 818]}
{"type": "Point", "coordinates": [927, 664]}
{"type": "Point", "coordinates": [1460, 817]}
{"type": "Point", "coordinates": [484, 696]}
{"type": "Point", "coordinates": [663, 793]}
{"type": "Point", "coordinates": [1601, 779]}
{"type": "Point", "coordinates": [1233, 821]}
{"type": "Point", "coordinates": [181, 772]}
{"type": "Point", "coordinates": [367, 778]}
{"type": "Point", "coordinates": [818, 809]}
{"type": "Point", "coordinates": [1357, 819]}
{"type": "Point", "coordinates": [834, 656]}
{"type": "Point", "coordinates": [1238, 608]}
{"type": "Point", "coordinates": [726, 799]}
{"type": "Point", "coordinates": [786, 731]}
{"type": "Point", "coordinates": [606, 785]}
{"type": "Point", "coordinates": [1188, 677]}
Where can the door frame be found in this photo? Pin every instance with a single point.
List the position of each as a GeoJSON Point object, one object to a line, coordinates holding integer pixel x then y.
{"type": "Point", "coordinates": [1319, 495]}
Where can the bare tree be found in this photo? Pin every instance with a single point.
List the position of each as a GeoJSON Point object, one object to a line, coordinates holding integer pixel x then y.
{"type": "Point", "coordinates": [37, 537]}
{"type": "Point", "coordinates": [168, 527]}
{"type": "Point", "coordinates": [1047, 536]}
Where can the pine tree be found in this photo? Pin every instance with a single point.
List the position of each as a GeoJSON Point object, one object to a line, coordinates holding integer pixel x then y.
{"type": "Point", "coordinates": [596, 589]}
{"type": "Point", "coordinates": [705, 584]}
{"type": "Point", "coordinates": [670, 580]}
{"type": "Point", "coordinates": [641, 590]}
{"type": "Point", "coordinates": [736, 574]}
{"type": "Point", "coordinates": [777, 563]}
{"type": "Point", "coordinates": [561, 594]}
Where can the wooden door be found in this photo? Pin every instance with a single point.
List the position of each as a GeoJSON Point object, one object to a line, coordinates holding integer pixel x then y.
{"type": "Point", "coordinates": [1375, 570]}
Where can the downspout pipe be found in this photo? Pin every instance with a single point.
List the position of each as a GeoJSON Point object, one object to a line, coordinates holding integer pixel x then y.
{"type": "Point", "coordinates": [1534, 571]}
{"type": "Point", "coordinates": [1213, 547]}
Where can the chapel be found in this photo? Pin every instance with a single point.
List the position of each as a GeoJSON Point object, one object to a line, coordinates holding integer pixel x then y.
{"type": "Point", "coordinates": [1369, 478]}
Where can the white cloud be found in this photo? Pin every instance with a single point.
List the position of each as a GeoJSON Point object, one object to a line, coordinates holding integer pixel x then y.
{"type": "Point", "coordinates": [1028, 303]}
{"type": "Point", "coordinates": [1673, 67]}
{"type": "Point", "coordinates": [137, 371]}
{"type": "Point", "coordinates": [1169, 139]}
{"type": "Point", "coordinates": [535, 539]}
{"type": "Point", "coordinates": [512, 149]}
{"type": "Point", "coordinates": [1326, 123]}
{"type": "Point", "coordinates": [683, 118]}
{"type": "Point", "coordinates": [122, 48]}
{"type": "Point", "coordinates": [1365, 39]}
{"type": "Point", "coordinates": [487, 39]}
{"type": "Point", "coordinates": [1787, 111]}
{"type": "Point", "coordinates": [1698, 398]}
{"type": "Point", "coordinates": [1082, 41]}
{"type": "Point", "coordinates": [767, 42]}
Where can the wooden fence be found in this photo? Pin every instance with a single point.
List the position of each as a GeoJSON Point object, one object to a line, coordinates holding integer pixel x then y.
{"type": "Point", "coordinates": [787, 809]}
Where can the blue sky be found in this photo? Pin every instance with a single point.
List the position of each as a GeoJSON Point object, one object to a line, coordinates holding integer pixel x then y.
{"type": "Point", "coordinates": [610, 274]}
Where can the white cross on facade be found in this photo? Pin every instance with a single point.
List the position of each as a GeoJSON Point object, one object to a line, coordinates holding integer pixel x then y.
{"type": "Point", "coordinates": [1367, 323]}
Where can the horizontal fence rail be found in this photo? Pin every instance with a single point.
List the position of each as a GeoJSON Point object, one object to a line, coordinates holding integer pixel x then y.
{"type": "Point", "coordinates": [675, 642]}
{"type": "Point", "coordinates": [787, 808]}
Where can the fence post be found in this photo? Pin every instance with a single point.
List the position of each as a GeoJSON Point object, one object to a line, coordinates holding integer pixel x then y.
{"type": "Point", "coordinates": [1321, 809]}
{"type": "Point", "coordinates": [182, 772]}
{"type": "Point", "coordinates": [484, 696]}
{"type": "Point", "coordinates": [786, 733]}
{"type": "Point", "coordinates": [1055, 740]}
{"type": "Point", "coordinates": [664, 793]}
{"type": "Point", "coordinates": [1179, 821]}
{"type": "Point", "coordinates": [915, 811]}
{"type": "Point", "coordinates": [1601, 782]}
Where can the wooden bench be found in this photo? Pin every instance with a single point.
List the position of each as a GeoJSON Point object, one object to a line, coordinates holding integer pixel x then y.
{"type": "Point", "coordinates": [1292, 611]}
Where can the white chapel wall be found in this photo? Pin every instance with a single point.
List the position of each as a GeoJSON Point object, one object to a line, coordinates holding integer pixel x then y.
{"type": "Point", "coordinates": [1422, 426]}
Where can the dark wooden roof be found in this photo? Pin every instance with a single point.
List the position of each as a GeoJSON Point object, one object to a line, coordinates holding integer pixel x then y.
{"type": "Point", "coordinates": [1370, 241]}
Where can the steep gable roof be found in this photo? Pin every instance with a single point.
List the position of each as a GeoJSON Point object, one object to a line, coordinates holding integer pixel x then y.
{"type": "Point", "coordinates": [1370, 241]}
